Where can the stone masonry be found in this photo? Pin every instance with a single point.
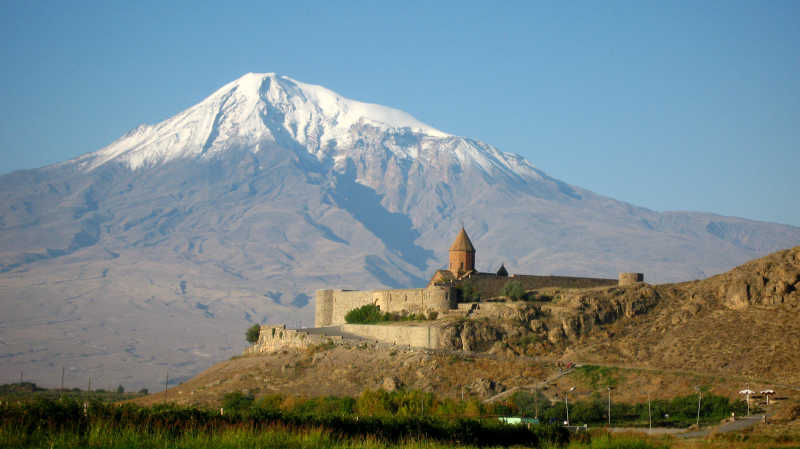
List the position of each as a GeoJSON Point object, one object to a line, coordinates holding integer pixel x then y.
{"type": "Point", "coordinates": [333, 305]}
{"type": "Point", "coordinates": [276, 338]}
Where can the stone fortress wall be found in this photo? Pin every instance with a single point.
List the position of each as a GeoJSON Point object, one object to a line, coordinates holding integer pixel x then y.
{"type": "Point", "coordinates": [277, 338]}
{"type": "Point", "coordinates": [442, 295]}
{"type": "Point", "coordinates": [630, 278]}
{"type": "Point", "coordinates": [333, 305]}
{"type": "Point", "coordinates": [421, 335]}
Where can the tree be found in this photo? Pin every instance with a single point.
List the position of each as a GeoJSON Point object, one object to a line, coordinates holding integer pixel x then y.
{"type": "Point", "coordinates": [236, 401]}
{"type": "Point", "coordinates": [468, 291]}
{"type": "Point", "coordinates": [120, 389]}
{"type": "Point", "coordinates": [144, 391]}
{"type": "Point", "coordinates": [253, 333]}
{"type": "Point", "coordinates": [366, 314]}
{"type": "Point", "coordinates": [514, 290]}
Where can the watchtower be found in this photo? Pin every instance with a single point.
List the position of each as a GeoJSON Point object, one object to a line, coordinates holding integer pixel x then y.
{"type": "Point", "coordinates": [462, 255]}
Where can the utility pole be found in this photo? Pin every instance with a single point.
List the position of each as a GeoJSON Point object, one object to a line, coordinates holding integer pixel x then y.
{"type": "Point", "coordinates": [536, 402]}
{"type": "Point", "coordinates": [566, 402]}
{"type": "Point", "coordinates": [20, 376]}
{"type": "Point", "coordinates": [699, 399]}
{"type": "Point", "coordinates": [649, 414]}
{"type": "Point", "coordinates": [609, 406]}
{"type": "Point", "coordinates": [747, 391]}
{"type": "Point", "coordinates": [166, 382]}
{"type": "Point", "coordinates": [62, 383]}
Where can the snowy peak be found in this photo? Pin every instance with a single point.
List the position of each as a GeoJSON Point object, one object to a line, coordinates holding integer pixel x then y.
{"type": "Point", "coordinates": [253, 109]}
{"type": "Point", "coordinates": [310, 105]}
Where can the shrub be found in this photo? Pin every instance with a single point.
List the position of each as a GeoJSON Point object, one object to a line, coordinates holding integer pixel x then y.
{"type": "Point", "coordinates": [366, 314]}
{"type": "Point", "coordinates": [468, 291]}
{"type": "Point", "coordinates": [253, 333]}
{"type": "Point", "coordinates": [514, 290]}
{"type": "Point", "coordinates": [237, 401]}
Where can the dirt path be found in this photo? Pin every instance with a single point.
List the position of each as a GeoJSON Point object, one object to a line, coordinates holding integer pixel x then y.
{"type": "Point", "coordinates": [537, 386]}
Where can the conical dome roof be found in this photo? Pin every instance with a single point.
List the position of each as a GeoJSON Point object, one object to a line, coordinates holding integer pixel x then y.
{"type": "Point", "coordinates": [502, 271]}
{"type": "Point", "coordinates": [462, 242]}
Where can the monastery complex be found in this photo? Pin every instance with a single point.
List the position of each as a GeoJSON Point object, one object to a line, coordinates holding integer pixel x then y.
{"type": "Point", "coordinates": [446, 288]}
{"type": "Point", "coordinates": [452, 292]}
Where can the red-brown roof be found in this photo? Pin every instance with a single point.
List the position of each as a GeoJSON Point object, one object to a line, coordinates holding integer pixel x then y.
{"type": "Point", "coordinates": [462, 242]}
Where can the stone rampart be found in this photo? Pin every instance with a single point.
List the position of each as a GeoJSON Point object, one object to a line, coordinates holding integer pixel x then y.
{"type": "Point", "coordinates": [418, 336]}
{"type": "Point", "coordinates": [488, 285]}
{"type": "Point", "coordinates": [277, 338]}
{"type": "Point", "coordinates": [332, 305]}
{"type": "Point", "coordinates": [630, 278]}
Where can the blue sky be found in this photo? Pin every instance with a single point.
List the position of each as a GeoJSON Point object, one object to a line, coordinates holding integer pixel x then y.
{"type": "Point", "coordinates": [667, 105]}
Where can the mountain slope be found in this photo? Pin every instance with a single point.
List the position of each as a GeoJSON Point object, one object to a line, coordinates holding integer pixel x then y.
{"type": "Point", "coordinates": [155, 252]}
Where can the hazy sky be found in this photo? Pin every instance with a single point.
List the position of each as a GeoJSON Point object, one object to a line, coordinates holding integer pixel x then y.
{"type": "Point", "coordinates": [667, 105]}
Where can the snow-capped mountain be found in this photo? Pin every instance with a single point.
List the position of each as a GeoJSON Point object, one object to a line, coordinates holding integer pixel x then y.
{"type": "Point", "coordinates": [259, 109]}
{"type": "Point", "coordinates": [156, 251]}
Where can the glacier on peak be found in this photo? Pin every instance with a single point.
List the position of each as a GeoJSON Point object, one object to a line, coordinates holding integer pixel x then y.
{"type": "Point", "coordinates": [266, 107]}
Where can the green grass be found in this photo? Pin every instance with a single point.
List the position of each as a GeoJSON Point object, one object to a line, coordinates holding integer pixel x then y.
{"type": "Point", "coordinates": [29, 391]}
{"type": "Point", "coordinates": [68, 424]}
{"type": "Point", "coordinates": [606, 441]}
{"type": "Point", "coordinates": [598, 376]}
{"type": "Point", "coordinates": [273, 436]}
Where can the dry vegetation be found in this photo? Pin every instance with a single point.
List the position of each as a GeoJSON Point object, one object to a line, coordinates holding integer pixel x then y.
{"type": "Point", "coordinates": [346, 371]}
{"type": "Point", "coordinates": [724, 333]}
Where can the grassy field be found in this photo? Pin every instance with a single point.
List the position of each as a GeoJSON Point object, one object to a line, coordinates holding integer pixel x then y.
{"type": "Point", "coordinates": [29, 391]}
{"type": "Point", "coordinates": [376, 419]}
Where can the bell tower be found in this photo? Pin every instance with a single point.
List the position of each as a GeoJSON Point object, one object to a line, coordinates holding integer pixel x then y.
{"type": "Point", "coordinates": [462, 255]}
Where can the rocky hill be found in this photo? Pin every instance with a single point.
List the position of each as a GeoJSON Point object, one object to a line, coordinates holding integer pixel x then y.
{"type": "Point", "coordinates": [734, 329]}
{"type": "Point", "coordinates": [154, 253]}
{"type": "Point", "coordinates": [745, 322]}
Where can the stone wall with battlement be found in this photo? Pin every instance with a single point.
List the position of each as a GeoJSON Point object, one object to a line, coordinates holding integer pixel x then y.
{"type": "Point", "coordinates": [489, 285]}
{"type": "Point", "coordinates": [333, 305]}
{"type": "Point", "coordinates": [417, 336]}
{"type": "Point", "coordinates": [277, 338]}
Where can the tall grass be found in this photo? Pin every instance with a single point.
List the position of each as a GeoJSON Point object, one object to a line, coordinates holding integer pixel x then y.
{"type": "Point", "coordinates": [68, 424]}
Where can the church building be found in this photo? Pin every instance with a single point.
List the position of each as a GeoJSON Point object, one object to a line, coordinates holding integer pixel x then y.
{"type": "Point", "coordinates": [462, 262]}
{"type": "Point", "coordinates": [461, 271]}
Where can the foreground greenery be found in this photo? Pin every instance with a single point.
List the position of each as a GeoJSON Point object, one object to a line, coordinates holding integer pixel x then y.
{"type": "Point", "coordinates": [679, 412]}
{"type": "Point", "coordinates": [374, 419]}
{"type": "Point", "coordinates": [72, 424]}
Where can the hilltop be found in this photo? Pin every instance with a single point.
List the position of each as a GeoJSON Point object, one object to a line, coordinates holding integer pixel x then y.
{"type": "Point", "coordinates": [733, 329]}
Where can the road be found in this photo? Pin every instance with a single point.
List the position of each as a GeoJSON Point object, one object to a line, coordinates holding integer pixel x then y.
{"type": "Point", "coordinates": [735, 426]}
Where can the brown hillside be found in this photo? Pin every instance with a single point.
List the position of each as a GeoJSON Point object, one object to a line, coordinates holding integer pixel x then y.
{"type": "Point", "coordinates": [662, 340]}
{"type": "Point", "coordinates": [745, 322]}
